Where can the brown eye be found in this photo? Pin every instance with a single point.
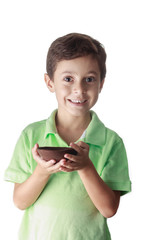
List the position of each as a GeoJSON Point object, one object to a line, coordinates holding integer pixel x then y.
{"type": "Point", "coordinates": [90, 79]}
{"type": "Point", "coordinates": [68, 79]}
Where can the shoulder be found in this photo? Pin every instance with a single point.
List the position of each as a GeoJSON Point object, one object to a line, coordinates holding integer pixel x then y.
{"type": "Point", "coordinates": [112, 135]}
{"type": "Point", "coordinates": [34, 127]}
{"type": "Point", "coordinates": [33, 133]}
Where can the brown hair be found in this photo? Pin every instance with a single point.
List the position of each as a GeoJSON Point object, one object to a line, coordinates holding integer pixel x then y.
{"type": "Point", "coordinates": [75, 45]}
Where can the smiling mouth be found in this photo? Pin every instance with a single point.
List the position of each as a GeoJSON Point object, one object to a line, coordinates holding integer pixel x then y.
{"type": "Point", "coordinates": [77, 101]}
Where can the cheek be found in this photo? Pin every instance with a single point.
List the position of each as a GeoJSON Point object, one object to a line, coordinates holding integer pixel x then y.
{"type": "Point", "coordinates": [94, 92]}
{"type": "Point", "coordinates": [95, 96]}
{"type": "Point", "coordinates": [62, 92]}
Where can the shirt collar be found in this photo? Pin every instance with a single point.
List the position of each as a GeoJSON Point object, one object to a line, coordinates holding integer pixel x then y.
{"type": "Point", "coordinates": [95, 132]}
{"type": "Point", "coordinates": [51, 124]}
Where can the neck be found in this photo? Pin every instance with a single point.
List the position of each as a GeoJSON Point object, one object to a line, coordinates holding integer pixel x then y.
{"type": "Point", "coordinates": [72, 122]}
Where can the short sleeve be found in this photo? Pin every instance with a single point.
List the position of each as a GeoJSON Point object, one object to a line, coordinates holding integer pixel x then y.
{"type": "Point", "coordinates": [19, 168]}
{"type": "Point", "coordinates": [115, 173]}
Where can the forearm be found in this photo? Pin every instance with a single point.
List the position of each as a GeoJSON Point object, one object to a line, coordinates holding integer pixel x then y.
{"type": "Point", "coordinates": [26, 193]}
{"type": "Point", "coordinates": [104, 198]}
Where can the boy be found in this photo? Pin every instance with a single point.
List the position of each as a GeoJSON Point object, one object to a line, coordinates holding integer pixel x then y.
{"type": "Point", "coordinates": [70, 200]}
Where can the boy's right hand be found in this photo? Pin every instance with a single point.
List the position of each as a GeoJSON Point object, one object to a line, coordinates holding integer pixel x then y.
{"type": "Point", "coordinates": [46, 168]}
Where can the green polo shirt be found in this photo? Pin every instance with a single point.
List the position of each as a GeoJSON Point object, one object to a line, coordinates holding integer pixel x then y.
{"type": "Point", "coordinates": [64, 210]}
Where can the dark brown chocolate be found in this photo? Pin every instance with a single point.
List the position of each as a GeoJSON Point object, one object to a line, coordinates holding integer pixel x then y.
{"type": "Point", "coordinates": [56, 153]}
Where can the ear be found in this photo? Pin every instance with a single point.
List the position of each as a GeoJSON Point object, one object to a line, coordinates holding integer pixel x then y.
{"type": "Point", "coordinates": [49, 83]}
{"type": "Point", "coordinates": [101, 85]}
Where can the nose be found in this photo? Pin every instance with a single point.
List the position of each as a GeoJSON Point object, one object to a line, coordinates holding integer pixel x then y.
{"type": "Point", "coordinates": [79, 88]}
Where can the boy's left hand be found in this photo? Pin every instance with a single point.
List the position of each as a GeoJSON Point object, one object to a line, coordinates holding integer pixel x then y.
{"type": "Point", "coordinates": [79, 161]}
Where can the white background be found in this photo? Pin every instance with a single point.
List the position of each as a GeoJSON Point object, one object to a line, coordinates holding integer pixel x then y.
{"type": "Point", "coordinates": [128, 104]}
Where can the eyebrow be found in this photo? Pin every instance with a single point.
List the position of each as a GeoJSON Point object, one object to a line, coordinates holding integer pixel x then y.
{"type": "Point", "coordinates": [90, 72]}
{"type": "Point", "coordinates": [68, 72]}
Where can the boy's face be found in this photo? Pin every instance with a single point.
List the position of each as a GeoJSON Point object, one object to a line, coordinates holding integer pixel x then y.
{"type": "Point", "coordinates": [76, 84]}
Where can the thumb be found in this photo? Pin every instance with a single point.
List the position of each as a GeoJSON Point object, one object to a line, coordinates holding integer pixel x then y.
{"type": "Point", "coordinates": [35, 154]}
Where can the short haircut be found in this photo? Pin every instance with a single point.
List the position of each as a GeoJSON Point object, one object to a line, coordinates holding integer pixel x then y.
{"type": "Point", "coordinates": [72, 46]}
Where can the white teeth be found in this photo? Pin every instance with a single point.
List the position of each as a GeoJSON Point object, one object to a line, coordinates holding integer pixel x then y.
{"type": "Point", "coordinates": [77, 101]}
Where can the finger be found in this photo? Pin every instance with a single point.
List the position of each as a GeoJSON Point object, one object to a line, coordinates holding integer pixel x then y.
{"type": "Point", "coordinates": [34, 149]}
{"type": "Point", "coordinates": [57, 166]}
{"type": "Point", "coordinates": [69, 161]}
{"type": "Point", "coordinates": [83, 145]}
{"type": "Point", "coordinates": [71, 158]}
{"type": "Point", "coordinates": [39, 159]}
{"type": "Point", "coordinates": [65, 167]}
{"type": "Point", "coordinates": [76, 147]}
{"type": "Point", "coordinates": [35, 154]}
{"type": "Point", "coordinates": [49, 163]}
{"type": "Point", "coordinates": [70, 165]}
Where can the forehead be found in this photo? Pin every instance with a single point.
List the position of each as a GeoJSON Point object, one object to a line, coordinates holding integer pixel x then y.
{"type": "Point", "coordinates": [81, 65]}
